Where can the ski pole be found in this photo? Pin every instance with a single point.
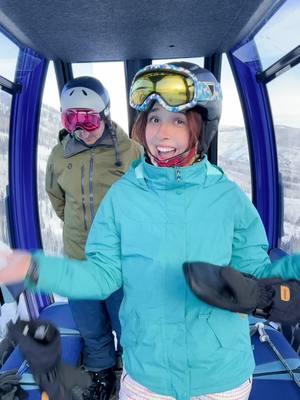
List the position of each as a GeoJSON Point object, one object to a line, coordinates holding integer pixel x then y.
{"type": "Point", "coordinates": [264, 338]}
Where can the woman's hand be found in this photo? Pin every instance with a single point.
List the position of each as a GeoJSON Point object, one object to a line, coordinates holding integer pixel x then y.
{"type": "Point", "coordinates": [14, 266]}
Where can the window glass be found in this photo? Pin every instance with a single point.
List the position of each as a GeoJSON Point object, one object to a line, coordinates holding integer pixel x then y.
{"type": "Point", "coordinates": [285, 104]}
{"type": "Point", "coordinates": [8, 57]}
{"type": "Point", "coordinates": [233, 155]}
{"type": "Point", "coordinates": [51, 225]}
{"type": "Point", "coordinates": [5, 107]}
{"type": "Point", "coordinates": [8, 61]}
{"type": "Point", "coordinates": [111, 75]}
{"type": "Point", "coordinates": [281, 33]}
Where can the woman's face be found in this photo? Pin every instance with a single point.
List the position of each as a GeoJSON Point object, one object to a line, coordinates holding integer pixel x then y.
{"type": "Point", "coordinates": [167, 133]}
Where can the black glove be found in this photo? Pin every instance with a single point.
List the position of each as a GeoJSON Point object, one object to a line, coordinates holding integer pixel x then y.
{"type": "Point", "coordinates": [9, 386]}
{"type": "Point", "coordinates": [228, 288]}
{"type": "Point", "coordinates": [39, 342]}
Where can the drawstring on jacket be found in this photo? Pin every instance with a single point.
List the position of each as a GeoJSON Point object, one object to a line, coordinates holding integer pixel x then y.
{"type": "Point", "coordinates": [112, 131]}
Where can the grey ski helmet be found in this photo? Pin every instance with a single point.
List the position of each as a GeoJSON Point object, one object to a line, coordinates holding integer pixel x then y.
{"type": "Point", "coordinates": [206, 95]}
{"type": "Point", "coordinates": [85, 92]}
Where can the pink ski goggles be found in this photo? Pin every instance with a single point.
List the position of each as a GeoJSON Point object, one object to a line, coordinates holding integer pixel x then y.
{"type": "Point", "coordinates": [74, 118]}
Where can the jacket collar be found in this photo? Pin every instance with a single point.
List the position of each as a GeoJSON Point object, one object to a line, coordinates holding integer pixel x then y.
{"type": "Point", "coordinates": [73, 146]}
{"type": "Point", "coordinates": [169, 178]}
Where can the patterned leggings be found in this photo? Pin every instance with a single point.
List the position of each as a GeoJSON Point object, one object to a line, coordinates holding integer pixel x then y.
{"type": "Point", "coordinates": [131, 390]}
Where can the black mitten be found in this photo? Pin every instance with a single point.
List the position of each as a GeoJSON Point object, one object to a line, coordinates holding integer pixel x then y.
{"type": "Point", "coordinates": [39, 342]}
{"type": "Point", "coordinates": [285, 305]}
{"type": "Point", "coordinates": [227, 288]}
{"type": "Point", "coordinates": [9, 386]}
{"type": "Point", "coordinates": [251, 295]}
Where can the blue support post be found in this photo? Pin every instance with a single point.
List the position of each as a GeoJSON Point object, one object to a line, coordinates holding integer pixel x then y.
{"type": "Point", "coordinates": [245, 65]}
{"type": "Point", "coordinates": [23, 137]}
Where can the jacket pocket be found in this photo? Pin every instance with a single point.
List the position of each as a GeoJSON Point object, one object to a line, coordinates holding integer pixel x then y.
{"type": "Point", "coordinates": [231, 329]}
{"type": "Point", "coordinates": [202, 341]}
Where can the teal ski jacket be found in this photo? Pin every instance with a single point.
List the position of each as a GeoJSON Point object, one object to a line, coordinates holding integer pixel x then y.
{"type": "Point", "coordinates": [150, 222]}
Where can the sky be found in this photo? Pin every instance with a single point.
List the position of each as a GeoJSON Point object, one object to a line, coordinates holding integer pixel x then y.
{"type": "Point", "coordinates": [280, 35]}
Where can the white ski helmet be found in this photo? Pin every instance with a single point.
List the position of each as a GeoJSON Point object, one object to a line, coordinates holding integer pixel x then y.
{"type": "Point", "coordinates": [87, 93]}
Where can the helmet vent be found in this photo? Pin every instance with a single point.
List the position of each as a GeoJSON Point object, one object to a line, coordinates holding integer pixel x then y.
{"type": "Point", "coordinates": [71, 93]}
{"type": "Point", "coordinates": [84, 92]}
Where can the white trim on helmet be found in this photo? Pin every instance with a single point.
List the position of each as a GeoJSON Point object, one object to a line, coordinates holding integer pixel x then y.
{"type": "Point", "coordinates": [81, 97]}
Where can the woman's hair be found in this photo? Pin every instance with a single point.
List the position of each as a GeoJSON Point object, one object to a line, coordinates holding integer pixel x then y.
{"type": "Point", "coordinates": [194, 123]}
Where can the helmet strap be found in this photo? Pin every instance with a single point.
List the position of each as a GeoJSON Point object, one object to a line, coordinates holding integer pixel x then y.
{"type": "Point", "coordinates": [206, 138]}
{"type": "Point", "coordinates": [201, 147]}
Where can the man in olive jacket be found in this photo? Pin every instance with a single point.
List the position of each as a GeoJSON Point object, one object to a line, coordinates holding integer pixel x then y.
{"type": "Point", "coordinates": [92, 153]}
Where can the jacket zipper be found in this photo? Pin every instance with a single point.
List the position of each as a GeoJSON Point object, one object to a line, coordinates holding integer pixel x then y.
{"type": "Point", "coordinates": [91, 186]}
{"type": "Point", "coordinates": [178, 175]}
{"type": "Point", "coordinates": [83, 198]}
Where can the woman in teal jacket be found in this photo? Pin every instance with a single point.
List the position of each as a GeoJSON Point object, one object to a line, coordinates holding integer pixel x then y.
{"type": "Point", "coordinates": [169, 208]}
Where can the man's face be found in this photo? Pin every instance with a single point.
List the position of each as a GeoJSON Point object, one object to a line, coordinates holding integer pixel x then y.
{"type": "Point", "coordinates": [90, 137]}
{"type": "Point", "coordinates": [85, 124]}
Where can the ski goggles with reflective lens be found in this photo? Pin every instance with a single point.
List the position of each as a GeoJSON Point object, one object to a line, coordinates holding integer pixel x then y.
{"type": "Point", "coordinates": [175, 88]}
{"type": "Point", "coordinates": [74, 118]}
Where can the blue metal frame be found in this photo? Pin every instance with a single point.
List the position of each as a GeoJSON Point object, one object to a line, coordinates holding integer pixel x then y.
{"type": "Point", "coordinates": [245, 65]}
{"type": "Point", "coordinates": [23, 203]}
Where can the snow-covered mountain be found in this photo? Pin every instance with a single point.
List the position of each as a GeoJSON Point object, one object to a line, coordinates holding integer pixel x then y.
{"type": "Point", "coordinates": [234, 160]}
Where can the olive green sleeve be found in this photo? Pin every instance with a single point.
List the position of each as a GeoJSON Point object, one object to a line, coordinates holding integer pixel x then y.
{"type": "Point", "coordinates": [55, 192]}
